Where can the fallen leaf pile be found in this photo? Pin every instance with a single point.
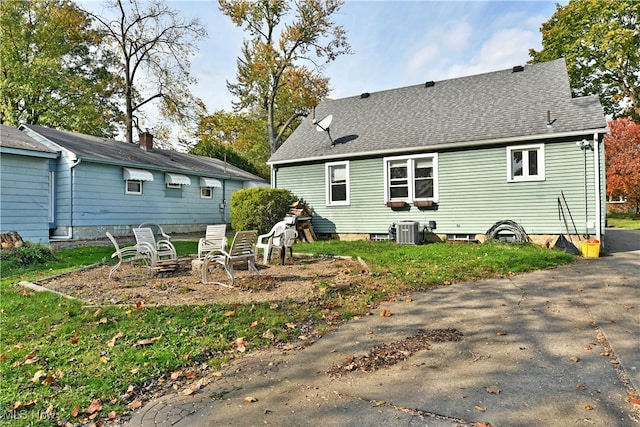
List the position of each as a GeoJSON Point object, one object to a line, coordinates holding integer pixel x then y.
{"type": "Point", "coordinates": [391, 353]}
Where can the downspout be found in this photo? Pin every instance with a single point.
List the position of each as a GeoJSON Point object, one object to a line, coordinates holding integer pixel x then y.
{"type": "Point", "coordinates": [224, 191]}
{"type": "Point", "coordinates": [274, 182]}
{"type": "Point", "coordinates": [72, 180]}
{"type": "Point", "coordinates": [596, 189]}
{"type": "Point", "coordinates": [223, 206]}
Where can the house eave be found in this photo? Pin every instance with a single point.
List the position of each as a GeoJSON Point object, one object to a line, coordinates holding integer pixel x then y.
{"type": "Point", "coordinates": [160, 169]}
{"type": "Point", "coordinates": [440, 147]}
{"type": "Point", "coordinates": [30, 153]}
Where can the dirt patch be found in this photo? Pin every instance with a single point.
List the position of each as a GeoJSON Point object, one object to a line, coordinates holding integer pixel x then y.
{"type": "Point", "coordinates": [129, 285]}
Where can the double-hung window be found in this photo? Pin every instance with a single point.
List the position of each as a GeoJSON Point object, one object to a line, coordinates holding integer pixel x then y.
{"type": "Point", "coordinates": [525, 163]}
{"type": "Point", "coordinates": [337, 183]}
{"type": "Point", "coordinates": [423, 179]}
{"type": "Point", "coordinates": [398, 179]}
{"type": "Point", "coordinates": [411, 178]}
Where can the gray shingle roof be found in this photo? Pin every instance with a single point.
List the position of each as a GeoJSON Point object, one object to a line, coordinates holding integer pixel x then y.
{"type": "Point", "coordinates": [11, 137]}
{"type": "Point", "coordinates": [116, 152]}
{"type": "Point", "coordinates": [484, 108]}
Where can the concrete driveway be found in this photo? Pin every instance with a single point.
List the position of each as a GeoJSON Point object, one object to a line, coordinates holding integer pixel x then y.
{"type": "Point", "coordinates": [558, 347]}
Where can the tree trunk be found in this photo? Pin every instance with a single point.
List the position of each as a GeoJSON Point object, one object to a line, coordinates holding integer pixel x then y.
{"type": "Point", "coordinates": [273, 140]}
{"type": "Point", "coordinates": [128, 117]}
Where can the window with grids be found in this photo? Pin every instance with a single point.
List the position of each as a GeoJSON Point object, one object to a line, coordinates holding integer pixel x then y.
{"type": "Point", "coordinates": [411, 179]}
{"type": "Point", "coordinates": [525, 163]}
{"type": "Point", "coordinates": [337, 183]}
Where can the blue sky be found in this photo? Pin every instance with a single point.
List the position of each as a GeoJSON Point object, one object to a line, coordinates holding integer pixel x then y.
{"type": "Point", "coordinates": [396, 43]}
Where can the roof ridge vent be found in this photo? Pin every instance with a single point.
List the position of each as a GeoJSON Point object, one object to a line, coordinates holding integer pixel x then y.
{"type": "Point", "coordinates": [518, 68]}
{"type": "Point", "coordinates": [365, 95]}
{"type": "Point", "coordinates": [430, 83]}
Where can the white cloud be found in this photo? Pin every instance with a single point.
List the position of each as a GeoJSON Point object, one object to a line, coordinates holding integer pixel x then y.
{"type": "Point", "coordinates": [535, 21]}
{"type": "Point", "coordinates": [502, 50]}
{"type": "Point", "coordinates": [505, 47]}
{"type": "Point", "coordinates": [425, 55]}
{"type": "Point", "coordinates": [441, 42]}
{"type": "Point", "coordinates": [456, 35]}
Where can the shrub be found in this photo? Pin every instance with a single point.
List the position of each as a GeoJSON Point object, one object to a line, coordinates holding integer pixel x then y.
{"type": "Point", "coordinates": [259, 208]}
{"type": "Point", "coordinates": [25, 256]}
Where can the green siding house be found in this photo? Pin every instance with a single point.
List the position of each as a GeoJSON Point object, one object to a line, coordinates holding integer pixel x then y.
{"type": "Point", "coordinates": [465, 153]}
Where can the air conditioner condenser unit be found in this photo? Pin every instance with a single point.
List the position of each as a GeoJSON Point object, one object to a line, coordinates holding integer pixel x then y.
{"type": "Point", "coordinates": [407, 233]}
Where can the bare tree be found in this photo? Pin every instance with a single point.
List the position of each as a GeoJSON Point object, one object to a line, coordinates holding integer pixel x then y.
{"type": "Point", "coordinates": [154, 46]}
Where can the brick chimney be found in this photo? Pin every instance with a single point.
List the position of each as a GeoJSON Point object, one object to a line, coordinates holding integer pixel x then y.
{"type": "Point", "coordinates": [146, 141]}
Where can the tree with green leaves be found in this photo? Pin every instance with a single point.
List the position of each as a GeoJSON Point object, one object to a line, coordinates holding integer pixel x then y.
{"type": "Point", "coordinates": [153, 45]}
{"type": "Point", "coordinates": [52, 72]}
{"type": "Point", "coordinates": [600, 40]}
{"type": "Point", "coordinates": [278, 72]}
{"type": "Point", "coordinates": [240, 137]}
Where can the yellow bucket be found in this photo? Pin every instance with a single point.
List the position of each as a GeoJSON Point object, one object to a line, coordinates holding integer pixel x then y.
{"type": "Point", "coordinates": [590, 249]}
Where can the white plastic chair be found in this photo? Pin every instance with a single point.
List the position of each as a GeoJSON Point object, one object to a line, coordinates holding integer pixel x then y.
{"type": "Point", "coordinates": [281, 236]}
{"type": "Point", "coordinates": [215, 239]}
{"type": "Point", "coordinates": [158, 232]}
{"type": "Point", "coordinates": [126, 254]}
{"type": "Point", "coordinates": [242, 249]}
{"type": "Point", "coordinates": [160, 250]}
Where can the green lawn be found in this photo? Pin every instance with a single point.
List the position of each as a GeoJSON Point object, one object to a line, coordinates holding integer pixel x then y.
{"type": "Point", "coordinates": [628, 220]}
{"type": "Point", "coordinates": [60, 360]}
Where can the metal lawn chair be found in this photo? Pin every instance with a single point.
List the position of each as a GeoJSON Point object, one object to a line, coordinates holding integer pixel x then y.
{"type": "Point", "coordinates": [215, 239]}
{"type": "Point", "coordinates": [242, 249]}
{"type": "Point", "coordinates": [126, 254]}
{"type": "Point", "coordinates": [281, 236]}
{"type": "Point", "coordinates": [161, 250]}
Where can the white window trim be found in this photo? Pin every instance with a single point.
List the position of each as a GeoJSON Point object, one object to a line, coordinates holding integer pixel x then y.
{"type": "Point", "coordinates": [410, 177]}
{"type": "Point", "coordinates": [525, 176]}
{"type": "Point", "coordinates": [169, 185]}
{"type": "Point", "coordinates": [327, 174]}
{"type": "Point", "coordinates": [126, 187]}
{"type": "Point", "coordinates": [203, 196]}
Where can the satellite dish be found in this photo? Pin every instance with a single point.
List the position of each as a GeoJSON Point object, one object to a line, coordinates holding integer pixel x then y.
{"type": "Point", "coordinates": [323, 126]}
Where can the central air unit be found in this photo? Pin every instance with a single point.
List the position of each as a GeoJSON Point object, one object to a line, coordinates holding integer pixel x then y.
{"type": "Point", "coordinates": [407, 233]}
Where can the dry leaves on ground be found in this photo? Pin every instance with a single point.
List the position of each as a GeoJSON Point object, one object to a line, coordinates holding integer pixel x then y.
{"type": "Point", "coordinates": [388, 354]}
